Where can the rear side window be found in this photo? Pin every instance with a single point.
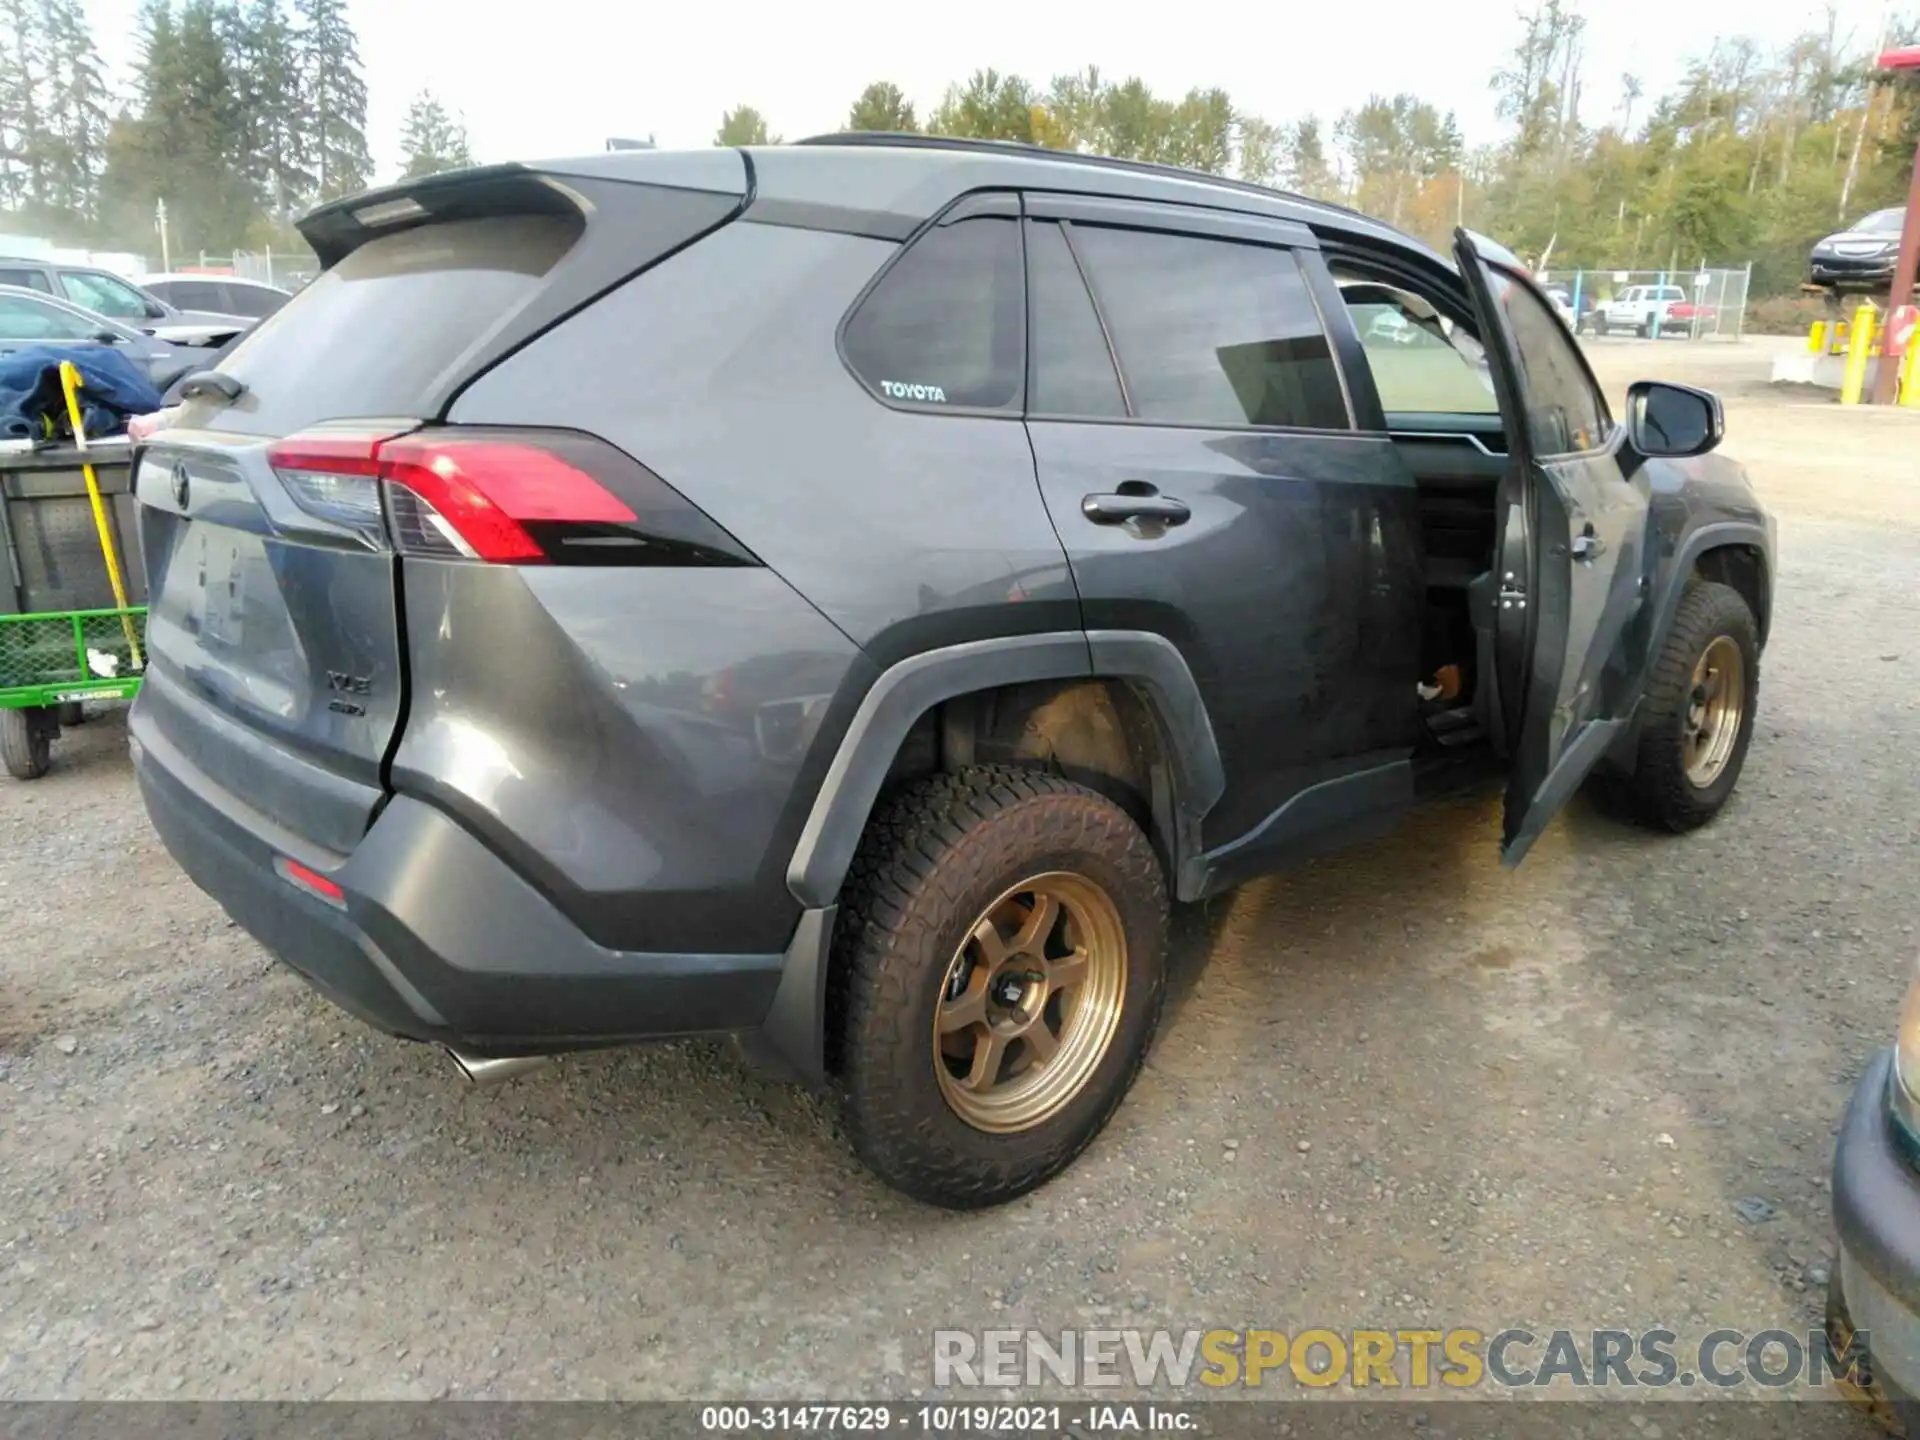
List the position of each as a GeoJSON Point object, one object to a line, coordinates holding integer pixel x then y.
{"type": "Point", "coordinates": [104, 295]}
{"type": "Point", "coordinates": [254, 301]}
{"type": "Point", "coordinates": [1072, 368]}
{"type": "Point", "coordinates": [945, 325]}
{"type": "Point", "coordinates": [376, 334]}
{"type": "Point", "coordinates": [28, 279]}
{"type": "Point", "coordinates": [196, 295]}
{"type": "Point", "coordinates": [1213, 333]}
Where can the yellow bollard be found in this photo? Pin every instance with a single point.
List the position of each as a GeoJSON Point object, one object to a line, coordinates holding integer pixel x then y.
{"type": "Point", "coordinates": [1817, 337]}
{"type": "Point", "coordinates": [1910, 372]}
{"type": "Point", "coordinates": [1861, 335]}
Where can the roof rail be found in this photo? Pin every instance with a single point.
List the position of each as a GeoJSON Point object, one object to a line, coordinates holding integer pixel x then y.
{"type": "Point", "coordinates": [1029, 151]}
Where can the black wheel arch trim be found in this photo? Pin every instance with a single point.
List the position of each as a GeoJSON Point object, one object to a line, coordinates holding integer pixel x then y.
{"type": "Point", "coordinates": [1717, 535]}
{"type": "Point", "coordinates": [905, 691]}
{"type": "Point", "coordinates": [1671, 578]}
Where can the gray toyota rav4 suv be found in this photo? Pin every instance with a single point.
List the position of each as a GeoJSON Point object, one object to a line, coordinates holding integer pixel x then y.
{"type": "Point", "coordinates": [839, 594]}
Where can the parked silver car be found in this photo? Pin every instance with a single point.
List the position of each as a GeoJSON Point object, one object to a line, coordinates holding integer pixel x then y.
{"type": "Point", "coordinates": [217, 295]}
{"type": "Point", "coordinates": [32, 318]}
{"type": "Point", "coordinates": [108, 294]}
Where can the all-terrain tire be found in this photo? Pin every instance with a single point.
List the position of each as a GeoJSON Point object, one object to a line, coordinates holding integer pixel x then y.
{"type": "Point", "coordinates": [26, 743]}
{"type": "Point", "coordinates": [935, 856]}
{"type": "Point", "coordinates": [1660, 793]}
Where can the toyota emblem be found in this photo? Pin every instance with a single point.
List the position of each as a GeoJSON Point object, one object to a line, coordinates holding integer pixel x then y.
{"type": "Point", "coordinates": [180, 486]}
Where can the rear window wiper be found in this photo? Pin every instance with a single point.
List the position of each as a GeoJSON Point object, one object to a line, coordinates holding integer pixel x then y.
{"type": "Point", "coordinates": [211, 382]}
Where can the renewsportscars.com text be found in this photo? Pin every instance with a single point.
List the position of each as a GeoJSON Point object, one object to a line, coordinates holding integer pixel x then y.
{"type": "Point", "coordinates": [1460, 1358]}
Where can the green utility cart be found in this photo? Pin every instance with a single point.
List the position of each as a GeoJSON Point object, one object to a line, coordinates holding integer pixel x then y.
{"type": "Point", "coordinates": [64, 638]}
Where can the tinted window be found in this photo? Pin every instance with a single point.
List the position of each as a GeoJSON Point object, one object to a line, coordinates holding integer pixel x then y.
{"type": "Point", "coordinates": [946, 323]}
{"type": "Point", "coordinates": [104, 295]}
{"type": "Point", "coordinates": [1072, 369]}
{"type": "Point", "coordinates": [1421, 362]}
{"type": "Point", "coordinates": [24, 319]}
{"type": "Point", "coordinates": [196, 295]}
{"type": "Point", "coordinates": [375, 333]}
{"type": "Point", "coordinates": [1213, 333]}
{"type": "Point", "coordinates": [1565, 414]}
{"type": "Point", "coordinates": [30, 279]}
{"type": "Point", "coordinates": [254, 301]}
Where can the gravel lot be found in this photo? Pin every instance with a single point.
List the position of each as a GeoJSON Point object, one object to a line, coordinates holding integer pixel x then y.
{"type": "Point", "coordinates": [1401, 1087]}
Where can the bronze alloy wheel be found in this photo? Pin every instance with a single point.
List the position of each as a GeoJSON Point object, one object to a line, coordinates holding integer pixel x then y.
{"type": "Point", "coordinates": [1715, 707]}
{"type": "Point", "coordinates": [1030, 1003]}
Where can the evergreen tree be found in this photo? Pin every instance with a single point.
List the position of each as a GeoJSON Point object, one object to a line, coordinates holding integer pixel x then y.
{"type": "Point", "coordinates": [186, 145]}
{"type": "Point", "coordinates": [335, 112]}
{"type": "Point", "coordinates": [24, 83]}
{"type": "Point", "coordinates": [1308, 168]}
{"type": "Point", "coordinates": [75, 115]}
{"type": "Point", "coordinates": [432, 140]}
{"type": "Point", "coordinates": [268, 61]}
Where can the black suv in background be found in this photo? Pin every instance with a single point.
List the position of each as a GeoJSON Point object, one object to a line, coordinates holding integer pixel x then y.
{"type": "Point", "coordinates": [839, 594]}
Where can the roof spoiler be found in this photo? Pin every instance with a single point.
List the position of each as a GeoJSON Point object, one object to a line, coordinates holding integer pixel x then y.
{"type": "Point", "coordinates": [340, 227]}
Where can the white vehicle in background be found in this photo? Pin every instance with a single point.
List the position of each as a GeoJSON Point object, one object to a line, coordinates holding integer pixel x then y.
{"type": "Point", "coordinates": [1638, 308]}
{"type": "Point", "coordinates": [222, 294]}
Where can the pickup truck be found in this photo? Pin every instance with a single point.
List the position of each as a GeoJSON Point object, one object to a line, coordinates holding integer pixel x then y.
{"type": "Point", "coordinates": [1637, 308]}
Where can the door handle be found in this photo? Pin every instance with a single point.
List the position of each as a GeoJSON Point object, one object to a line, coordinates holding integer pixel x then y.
{"type": "Point", "coordinates": [1116, 509]}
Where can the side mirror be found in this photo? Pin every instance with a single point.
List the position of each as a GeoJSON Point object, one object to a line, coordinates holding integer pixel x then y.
{"type": "Point", "coordinates": [104, 336]}
{"type": "Point", "coordinates": [1673, 421]}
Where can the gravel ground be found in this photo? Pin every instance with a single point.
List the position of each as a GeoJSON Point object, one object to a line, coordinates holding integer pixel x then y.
{"type": "Point", "coordinates": [1403, 1087]}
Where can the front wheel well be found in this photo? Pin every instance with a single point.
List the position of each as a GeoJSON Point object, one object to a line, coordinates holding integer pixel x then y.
{"type": "Point", "coordinates": [1743, 569]}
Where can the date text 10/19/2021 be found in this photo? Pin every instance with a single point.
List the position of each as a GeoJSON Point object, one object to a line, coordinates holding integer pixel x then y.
{"type": "Point", "coordinates": [946, 1419]}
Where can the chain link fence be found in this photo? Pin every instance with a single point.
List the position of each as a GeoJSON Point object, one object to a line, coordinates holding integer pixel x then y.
{"type": "Point", "coordinates": [287, 270]}
{"type": "Point", "coordinates": [1703, 304]}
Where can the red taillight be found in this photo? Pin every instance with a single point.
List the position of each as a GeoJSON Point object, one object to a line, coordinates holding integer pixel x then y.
{"type": "Point", "coordinates": [447, 495]}
{"type": "Point", "coordinates": [311, 881]}
{"type": "Point", "coordinates": [328, 452]}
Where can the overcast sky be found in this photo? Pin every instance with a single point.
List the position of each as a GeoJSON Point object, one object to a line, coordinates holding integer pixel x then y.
{"type": "Point", "coordinates": [559, 77]}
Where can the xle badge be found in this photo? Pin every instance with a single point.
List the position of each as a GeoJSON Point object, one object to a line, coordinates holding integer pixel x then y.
{"type": "Point", "coordinates": [343, 685]}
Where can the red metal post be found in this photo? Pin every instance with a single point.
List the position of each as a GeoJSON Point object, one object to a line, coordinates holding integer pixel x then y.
{"type": "Point", "coordinates": [1906, 270]}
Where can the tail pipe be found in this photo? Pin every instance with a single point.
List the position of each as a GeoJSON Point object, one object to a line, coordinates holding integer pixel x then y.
{"type": "Point", "coordinates": [491, 1070]}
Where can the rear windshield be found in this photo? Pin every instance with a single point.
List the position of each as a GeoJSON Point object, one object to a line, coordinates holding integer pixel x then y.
{"type": "Point", "coordinates": [377, 334]}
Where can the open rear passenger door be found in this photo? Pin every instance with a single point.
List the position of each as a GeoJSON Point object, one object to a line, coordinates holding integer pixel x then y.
{"type": "Point", "coordinates": [1569, 555]}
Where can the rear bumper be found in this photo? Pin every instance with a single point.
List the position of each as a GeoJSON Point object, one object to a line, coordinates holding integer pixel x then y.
{"type": "Point", "coordinates": [439, 939]}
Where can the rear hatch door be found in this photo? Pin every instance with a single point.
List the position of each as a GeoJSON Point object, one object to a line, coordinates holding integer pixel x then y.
{"type": "Point", "coordinates": [276, 679]}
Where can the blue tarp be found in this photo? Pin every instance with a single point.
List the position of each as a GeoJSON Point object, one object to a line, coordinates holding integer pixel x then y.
{"type": "Point", "coordinates": [33, 408]}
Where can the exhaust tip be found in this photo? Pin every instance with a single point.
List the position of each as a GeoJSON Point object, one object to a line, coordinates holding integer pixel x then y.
{"type": "Point", "coordinates": [485, 1070]}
